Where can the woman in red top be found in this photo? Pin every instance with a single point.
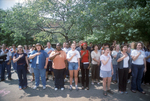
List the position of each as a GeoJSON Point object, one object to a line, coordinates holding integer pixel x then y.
{"type": "Point", "coordinates": [85, 61]}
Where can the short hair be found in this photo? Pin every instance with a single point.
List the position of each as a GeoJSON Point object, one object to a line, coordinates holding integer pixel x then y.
{"type": "Point", "coordinates": [94, 46]}
{"type": "Point", "coordinates": [106, 48]}
{"type": "Point", "coordinates": [105, 44]}
{"type": "Point", "coordinates": [123, 46]}
{"type": "Point", "coordinates": [135, 45]}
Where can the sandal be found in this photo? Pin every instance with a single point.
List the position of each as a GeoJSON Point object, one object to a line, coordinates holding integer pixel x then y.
{"type": "Point", "coordinates": [143, 92]}
{"type": "Point", "coordinates": [133, 91]}
{"type": "Point", "coordinates": [104, 93]}
{"type": "Point", "coordinates": [87, 88]}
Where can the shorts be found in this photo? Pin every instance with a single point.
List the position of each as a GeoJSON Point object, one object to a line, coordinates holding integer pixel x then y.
{"type": "Point", "coordinates": [49, 66]}
{"type": "Point", "coordinates": [31, 69]}
{"type": "Point", "coordinates": [105, 74]}
{"type": "Point", "coordinates": [73, 66]}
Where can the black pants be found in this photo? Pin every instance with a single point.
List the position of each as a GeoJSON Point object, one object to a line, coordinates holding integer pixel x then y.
{"type": "Point", "coordinates": [95, 71]}
{"type": "Point", "coordinates": [123, 77]}
{"type": "Point", "coordinates": [147, 74]}
{"type": "Point", "coordinates": [85, 76]}
{"type": "Point", "coordinates": [59, 78]}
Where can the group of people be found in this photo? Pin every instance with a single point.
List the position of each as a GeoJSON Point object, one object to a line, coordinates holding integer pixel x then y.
{"type": "Point", "coordinates": [111, 63]}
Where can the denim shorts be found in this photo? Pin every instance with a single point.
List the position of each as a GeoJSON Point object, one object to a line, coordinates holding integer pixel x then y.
{"type": "Point", "coordinates": [73, 66]}
{"type": "Point", "coordinates": [105, 74]}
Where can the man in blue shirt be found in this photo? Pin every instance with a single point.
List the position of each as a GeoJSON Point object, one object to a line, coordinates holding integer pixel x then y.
{"type": "Point", "coordinates": [48, 50]}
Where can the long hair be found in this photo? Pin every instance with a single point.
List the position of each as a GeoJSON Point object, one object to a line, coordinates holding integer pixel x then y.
{"type": "Point", "coordinates": [41, 47]}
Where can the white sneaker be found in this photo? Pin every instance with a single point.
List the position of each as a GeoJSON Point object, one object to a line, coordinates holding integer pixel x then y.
{"type": "Point", "coordinates": [92, 83]}
{"type": "Point", "coordinates": [62, 88]}
{"type": "Point", "coordinates": [44, 87]}
{"type": "Point", "coordinates": [98, 83]}
{"type": "Point", "coordinates": [35, 87]}
{"type": "Point", "coordinates": [56, 89]}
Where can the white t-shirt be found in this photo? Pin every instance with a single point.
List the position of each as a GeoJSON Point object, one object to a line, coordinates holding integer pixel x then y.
{"type": "Point", "coordinates": [96, 56]}
{"type": "Point", "coordinates": [8, 54]}
{"type": "Point", "coordinates": [106, 67]}
{"type": "Point", "coordinates": [125, 62]}
{"type": "Point", "coordinates": [37, 60]}
{"type": "Point", "coordinates": [140, 59]}
{"type": "Point", "coordinates": [75, 58]}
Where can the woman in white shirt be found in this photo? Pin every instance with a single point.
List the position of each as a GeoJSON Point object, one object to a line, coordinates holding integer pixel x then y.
{"type": "Point", "coordinates": [138, 66]}
{"type": "Point", "coordinates": [95, 64]}
{"type": "Point", "coordinates": [106, 71]}
{"type": "Point", "coordinates": [124, 67]}
{"type": "Point", "coordinates": [73, 56]}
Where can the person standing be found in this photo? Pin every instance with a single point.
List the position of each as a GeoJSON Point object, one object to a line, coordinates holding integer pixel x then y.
{"type": "Point", "coordinates": [59, 65]}
{"type": "Point", "coordinates": [114, 62]}
{"type": "Point", "coordinates": [124, 67]}
{"type": "Point", "coordinates": [66, 49]}
{"type": "Point", "coordinates": [95, 55]}
{"type": "Point", "coordinates": [6, 64]}
{"type": "Point", "coordinates": [106, 71]}
{"type": "Point", "coordinates": [85, 60]}
{"type": "Point", "coordinates": [48, 50]}
{"type": "Point", "coordinates": [147, 74]}
{"type": "Point", "coordinates": [26, 49]}
{"type": "Point", "coordinates": [21, 59]}
{"type": "Point", "coordinates": [13, 51]}
{"type": "Point", "coordinates": [30, 63]}
{"type": "Point", "coordinates": [39, 64]}
{"type": "Point", "coordinates": [73, 57]}
{"type": "Point", "coordinates": [138, 66]}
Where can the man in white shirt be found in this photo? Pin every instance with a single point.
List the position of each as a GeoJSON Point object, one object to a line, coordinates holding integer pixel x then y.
{"type": "Point", "coordinates": [6, 64]}
{"type": "Point", "coordinates": [48, 50]}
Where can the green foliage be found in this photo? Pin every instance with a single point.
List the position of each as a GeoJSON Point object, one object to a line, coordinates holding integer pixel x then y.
{"type": "Point", "coordinates": [96, 21]}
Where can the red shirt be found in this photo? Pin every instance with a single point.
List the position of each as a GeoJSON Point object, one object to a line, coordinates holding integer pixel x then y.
{"type": "Point", "coordinates": [85, 57]}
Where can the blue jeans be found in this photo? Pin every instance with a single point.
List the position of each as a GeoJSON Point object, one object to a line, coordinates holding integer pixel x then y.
{"type": "Point", "coordinates": [115, 75]}
{"type": "Point", "coordinates": [14, 65]}
{"type": "Point", "coordinates": [40, 73]}
{"type": "Point", "coordinates": [73, 66]}
{"type": "Point", "coordinates": [22, 75]}
{"type": "Point", "coordinates": [137, 73]}
{"type": "Point", "coordinates": [0, 69]}
{"type": "Point", "coordinates": [8, 67]}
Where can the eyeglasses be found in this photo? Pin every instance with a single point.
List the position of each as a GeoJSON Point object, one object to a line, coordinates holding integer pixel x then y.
{"type": "Point", "coordinates": [19, 47]}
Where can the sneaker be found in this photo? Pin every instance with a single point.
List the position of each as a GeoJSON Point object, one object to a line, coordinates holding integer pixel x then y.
{"type": "Point", "coordinates": [70, 88]}
{"type": "Point", "coordinates": [109, 91]}
{"type": "Point", "coordinates": [56, 89]}
{"type": "Point", "coordinates": [143, 84]}
{"type": "Point", "coordinates": [77, 88]}
{"type": "Point", "coordinates": [44, 87]}
{"type": "Point", "coordinates": [98, 83]}
{"type": "Point", "coordinates": [120, 92]}
{"type": "Point", "coordinates": [35, 87]}
{"type": "Point", "coordinates": [92, 83]}
{"type": "Point", "coordinates": [62, 88]}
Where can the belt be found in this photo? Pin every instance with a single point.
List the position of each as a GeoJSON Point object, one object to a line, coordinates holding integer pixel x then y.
{"type": "Point", "coordinates": [20, 64]}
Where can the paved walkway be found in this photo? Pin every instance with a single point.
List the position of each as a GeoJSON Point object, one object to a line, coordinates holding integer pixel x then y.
{"type": "Point", "coordinates": [9, 91]}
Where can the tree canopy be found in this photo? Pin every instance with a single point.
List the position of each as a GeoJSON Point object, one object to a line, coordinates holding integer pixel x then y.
{"type": "Point", "coordinates": [96, 21]}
